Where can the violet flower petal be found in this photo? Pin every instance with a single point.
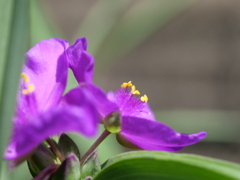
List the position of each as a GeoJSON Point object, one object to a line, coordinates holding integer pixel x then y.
{"type": "Point", "coordinates": [147, 113]}
{"type": "Point", "coordinates": [130, 106]}
{"type": "Point", "coordinates": [26, 108]}
{"type": "Point", "coordinates": [80, 61]}
{"type": "Point", "coordinates": [46, 68]}
{"type": "Point", "coordinates": [153, 135]}
{"type": "Point", "coordinates": [80, 98]}
{"type": "Point", "coordinates": [103, 104]}
{"type": "Point", "coordinates": [75, 114]}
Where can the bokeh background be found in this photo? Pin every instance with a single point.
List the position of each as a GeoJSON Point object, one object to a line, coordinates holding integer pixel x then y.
{"type": "Point", "coordinates": [183, 54]}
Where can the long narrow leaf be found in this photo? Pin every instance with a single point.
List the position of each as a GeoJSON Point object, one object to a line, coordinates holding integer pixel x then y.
{"type": "Point", "coordinates": [14, 57]}
{"type": "Point", "coordinates": [6, 7]}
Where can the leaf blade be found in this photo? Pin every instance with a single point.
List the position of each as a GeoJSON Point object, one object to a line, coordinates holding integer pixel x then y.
{"type": "Point", "coordinates": [169, 166]}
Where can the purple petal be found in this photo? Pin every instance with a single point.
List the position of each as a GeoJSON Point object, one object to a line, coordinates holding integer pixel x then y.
{"type": "Point", "coordinates": [104, 105]}
{"type": "Point", "coordinates": [26, 109]}
{"type": "Point", "coordinates": [153, 135]}
{"type": "Point", "coordinates": [80, 61]}
{"type": "Point", "coordinates": [147, 113]}
{"type": "Point", "coordinates": [46, 68]}
{"type": "Point", "coordinates": [75, 114]}
{"type": "Point", "coordinates": [131, 105]}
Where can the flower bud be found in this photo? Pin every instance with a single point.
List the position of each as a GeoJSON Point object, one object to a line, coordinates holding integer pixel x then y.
{"type": "Point", "coordinates": [69, 169]}
{"type": "Point", "coordinates": [40, 159]}
{"type": "Point", "coordinates": [112, 122]}
{"type": "Point", "coordinates": [67, 146]}
{"type": "Point", "coordinates": [91, 166]}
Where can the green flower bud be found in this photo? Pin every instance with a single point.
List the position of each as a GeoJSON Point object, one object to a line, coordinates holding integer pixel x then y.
{"type": "Point", "coordinates": [40, 159]}
{"type": "Point", "coordinates": [91, 166]}
{"type": "Point", "coordinates": [69, 169]}
{"type": "Point", "coordinates": [112, 122]}
{"type": "Point", "coordinates": [67, 146]}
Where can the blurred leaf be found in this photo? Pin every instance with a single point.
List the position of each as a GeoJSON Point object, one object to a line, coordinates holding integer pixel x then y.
{"type": "Point", "coordinates": [162, 165]}
{"type": "Point", "coordinates": [102, 17]}
{"type": "Point", "coordinates": [16, 42]}
{"type": "Point", "coordinates": [214, 122]}
{"type": "Point", "coordinates": [6, 7]}
{"type": "Point", "coordinates": [40, 27]}
{"type": "Point", "coordinates": [136, 25]}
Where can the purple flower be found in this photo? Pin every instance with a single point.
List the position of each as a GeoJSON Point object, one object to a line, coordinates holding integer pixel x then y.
{"type": "Point", "coordinates": [138, 128]}
{"type": "Point", "coordinates": [41, 110]}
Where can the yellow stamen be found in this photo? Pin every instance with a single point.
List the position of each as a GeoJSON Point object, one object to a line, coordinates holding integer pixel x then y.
{"type": "Point", "coordinates": [128, 84]}
{"type": "Point", "coordinates": [25, 77]}
{"type": "Point", "coordinates": [134, 91]}
{"type": "Point", "coordinates": [144, 98]}
{"type": "Point", "coordinates": [30, 88]}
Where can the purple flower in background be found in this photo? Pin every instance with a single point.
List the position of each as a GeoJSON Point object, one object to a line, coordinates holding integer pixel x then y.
{"type": "Point", "coordinates": [41, 110]}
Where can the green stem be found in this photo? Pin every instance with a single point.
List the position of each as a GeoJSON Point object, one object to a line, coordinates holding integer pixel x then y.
{"type": "Point", "coordinates": [55, 149]}
{"type": "Point", "coordinates": [95, 145]}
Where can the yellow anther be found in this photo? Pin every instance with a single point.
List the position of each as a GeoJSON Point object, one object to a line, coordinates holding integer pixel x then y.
{"type": "Point", "coordinates": [144, 98]}
{"type": "Point", "coordinates": [133, 88]}
{"type": "Point", "coordinates": [134, 91]}
{"type": "Point", "coordinates": [30, 88]}
{"type": "Point", "coordinates": [128, 84]}
{"type": "Point", "coordinates": [25, 77]}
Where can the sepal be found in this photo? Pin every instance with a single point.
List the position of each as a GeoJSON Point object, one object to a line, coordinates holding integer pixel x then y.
{"type": "Point", "coordinates": [69, 169]}
{"type": "Point", "coordinates": [40, 159]}
{"type": "Point", "coordinates": [67, 146]}
{"type": "Point", "coordinates": [91, 166]}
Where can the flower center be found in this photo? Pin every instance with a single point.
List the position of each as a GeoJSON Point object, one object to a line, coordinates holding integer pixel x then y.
{"type": "Point", "coordinates": [128, 100]}
{"type": "Point", "coordinates": [27, 88]}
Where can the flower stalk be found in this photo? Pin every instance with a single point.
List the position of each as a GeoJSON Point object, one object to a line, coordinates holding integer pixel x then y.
{"type": "Point", "coordinates": [55, 149]}
{"type": "Point", "coordinates": [95, 145]}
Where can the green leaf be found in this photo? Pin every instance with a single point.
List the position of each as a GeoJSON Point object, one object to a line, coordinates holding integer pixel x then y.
{"type": "Point", "coordinates": [91, 166]}
{"type": "Point", "coordinates": [67, 146]}
{"type": "Point", "coordinates": [13, 47]}
{"type": "Point", "coordinates": [142, 165]}
{"type": "Point", "coordinates": [6, 7]}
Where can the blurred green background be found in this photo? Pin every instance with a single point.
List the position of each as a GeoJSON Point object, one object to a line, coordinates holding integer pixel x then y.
{"type": "Point", "coordinates": [183, 54]}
